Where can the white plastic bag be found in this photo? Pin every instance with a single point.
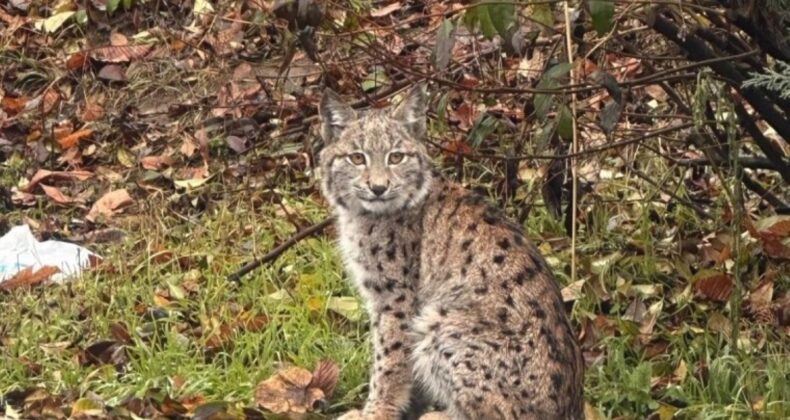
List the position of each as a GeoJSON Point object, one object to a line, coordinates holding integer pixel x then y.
{"type": "Point", "coordinates": [19, 250]}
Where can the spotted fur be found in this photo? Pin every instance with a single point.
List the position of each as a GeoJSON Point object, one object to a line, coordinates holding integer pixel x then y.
{"type": "Point", "coordinates": [462, 306]}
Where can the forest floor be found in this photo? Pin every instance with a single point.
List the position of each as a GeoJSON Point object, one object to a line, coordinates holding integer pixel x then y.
{"type": "Point", "coordinates": [181, 149]}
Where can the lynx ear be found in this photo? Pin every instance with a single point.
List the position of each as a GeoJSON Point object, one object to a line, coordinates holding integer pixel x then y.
{"type": "Point", "coordinates": [335, 115]}
{"type": "Point", "coordinates": [412, 109]}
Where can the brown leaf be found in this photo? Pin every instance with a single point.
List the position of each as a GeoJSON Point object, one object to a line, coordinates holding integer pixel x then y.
{"type": "Point", "coordinates": [62, 129]}
{"type": "Point", "coordinates": [156, 163]}
{"type": "Point", "coordinates": [775, 225]}
{"type": "Point", "coordinates": [103, 353]}
{"type": "Point", "coordinates": [43, 174]}
{"type": "Point", "coordinates": [120, 332]}
{"type": "Point", "coordinates": [762, 295]}
{"type": "Point", "coordinates": [119, 53]}
{"type": "Point", "coordinates": [188, 147]}
{"type": "Point", "coordinates": [775, 248]}
{"type": "Point", "coordinates": [248, 321]}
{"type": "Point", "coordinates": [109, 204]}
{"type": "Point", "coordinates": [177, 45]}
{"type": "Point", "coordinates": [325, 377]}
{"type": "Point", "coordinates": [288, 391]}
{"type": "Point", "coordinates": [77, 61]}
{"type": "Point", "coordinates": [191, 402]}
{"type": "Point", "coordinates": [113, 73]}
{"type": "Point", "coordinates": [242, 71]}
{"type": "Point", "coordinates": [202, 140]}
{"type": "Point", "coordinates": [464, 115]}
{"type": "Point", "coordinates": [29, 278]}
{"type": "Point", "coordinates": [772, 233]}
{"type": "Point", "coordinates": [713, 285]}
{"type": "Point", "coordinates": [118, 39]}
{"type": "Point", "coordinates": [13, 105]}
{"type": "Point", "coordinates": [656, 92]}
{"type": "Point", "coordinates": [74, 138]}
{"type": "Point", "coordinates": [220, 337]}
{"type": "Point", "coordinates": [56, 195]}
{"type": "Point", "coordinates": [171, 408]}
{"type": "Point", "coordinates": [50, 99]}
{"type": "Point", "coordinates": [458, 147]}
{"type": "Point", "coordinates": [92, 111]}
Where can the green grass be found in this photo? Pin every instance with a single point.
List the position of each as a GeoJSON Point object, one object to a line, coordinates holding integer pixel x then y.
{"type": "Point", "coordinates": [46, 330]}
{"type": "Point", "coordinates": [50, 326]}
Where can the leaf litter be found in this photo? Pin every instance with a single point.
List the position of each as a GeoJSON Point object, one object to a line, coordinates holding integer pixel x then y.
{"type": "Point", "coordinates": [137, 117]}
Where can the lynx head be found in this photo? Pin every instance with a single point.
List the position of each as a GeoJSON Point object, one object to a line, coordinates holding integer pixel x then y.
{"type": "Point", "coordinates": [374, 161]}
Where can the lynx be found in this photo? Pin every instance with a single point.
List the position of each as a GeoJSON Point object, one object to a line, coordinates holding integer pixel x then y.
{"type": "Point", "coordinates": [463, 308]}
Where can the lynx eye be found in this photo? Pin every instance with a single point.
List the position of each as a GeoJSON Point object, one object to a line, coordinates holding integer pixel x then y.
{"type": "Point", "coordinates": [395, 158]}
{"type": "Point", "coordinates": [357, 158]}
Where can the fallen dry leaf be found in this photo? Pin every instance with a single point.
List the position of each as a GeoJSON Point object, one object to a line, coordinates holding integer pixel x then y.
{"type": "Point", "coordinates": [713, 285]}
{"type": "Point", "coordinates": [119, 53]}
{"type": "Point", "coordinates": [191, 402]}
{"type": "Point", "coordinates": [155, 163]}
{"type": "Point", "coordinates": [120, 332]}
{"type": "Point", "coordinates": [202, 141]}
{"type": "Point", "coordinates": [775, 225]}
{"type": "Point", "coordinates": [50, 98]}
{"type": "Point", "coordinates": [56, 195]}
{"type": "Point", "coordinates": [92, 111]}
{"type": "Point", "coordinates": [762, 295]}
{"type": "Point", "coordinates": [289, 391]}
{"type": "Point", "coordinates": [104, 352]}
{"type": "Point", "coordinates": [62, 129]}
{"type": "Point", "coordinates": [325, 377]}
{"type": "Point", "coordinates": [188, 146]}
{"type": "Point", "coordinates": [109, 204]}
{"type": "Point", "coordinates": [113, 73]}
{"type": "Point", "coordinates": [13, 105]}
{"type": "Point", "coordinates": [74, 138]}
{"type": "Point", "coordinates": [29, 278]}
{"type": "Point", "coordinates": [773, 233]}
{"type": "Point", "coordinates": [77, 61]}
{"type": "Point", "coordinates": [118, 39]}
{"type": "Point", "coordinates": [43, 174]}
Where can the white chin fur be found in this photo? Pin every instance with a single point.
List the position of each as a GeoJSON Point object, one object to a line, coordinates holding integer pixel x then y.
{"type": "Point", "coordinates": [382, 207]}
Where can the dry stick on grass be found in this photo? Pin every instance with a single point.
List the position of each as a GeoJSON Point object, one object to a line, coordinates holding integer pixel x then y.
{"type": "Point", "coordinates": [574, 142]}
{"type": "Point", "coordinates": [586, 152]}
{"type": "Point", "coordinates": [279, 249]}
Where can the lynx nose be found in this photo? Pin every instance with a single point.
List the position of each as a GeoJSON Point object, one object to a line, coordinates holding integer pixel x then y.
{"type": "Point", "coordinates": [378, 190]}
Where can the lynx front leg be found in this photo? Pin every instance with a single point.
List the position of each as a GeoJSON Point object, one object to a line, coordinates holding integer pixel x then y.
{"type": "Point", "coordinates": [391, 380]}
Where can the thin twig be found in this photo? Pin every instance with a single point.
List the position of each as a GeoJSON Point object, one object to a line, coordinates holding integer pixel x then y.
{"type": "Point", "coordinates": [574, 143]}
{"type": "Point", "coordinates": [279, 249]}
{"type": "Point", "coordinates": [585, 152]}
{"type": "Point", "coordinates": [751, 162]}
